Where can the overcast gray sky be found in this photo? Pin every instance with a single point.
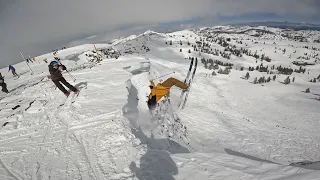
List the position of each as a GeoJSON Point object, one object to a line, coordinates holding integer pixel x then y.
{"type": "Point", "coordinates": [37, 26]}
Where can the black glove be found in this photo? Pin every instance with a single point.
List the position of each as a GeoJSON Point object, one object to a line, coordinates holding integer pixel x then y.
{"type": "Point", "coordinates": [64, 67]}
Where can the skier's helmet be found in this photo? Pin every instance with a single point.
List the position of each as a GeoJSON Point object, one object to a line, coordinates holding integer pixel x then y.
{"type": "Point", "coordinates": [54, 64]}
{"type": "Point", "coordinates": [151, 86]}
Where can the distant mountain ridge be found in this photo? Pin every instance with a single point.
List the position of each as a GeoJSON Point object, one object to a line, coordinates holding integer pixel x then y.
{"type": "Point", "coordinates": [282, 25]}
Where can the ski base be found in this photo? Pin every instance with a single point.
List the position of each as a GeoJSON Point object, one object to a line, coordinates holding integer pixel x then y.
{"type": "Point", "coordinates": [185, 94]}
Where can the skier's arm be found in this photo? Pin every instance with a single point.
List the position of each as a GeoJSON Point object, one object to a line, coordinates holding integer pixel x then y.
{"type": "Point", "coordinates": [55, 72]}
{"type": "Point", "coordinates": [62, 67]}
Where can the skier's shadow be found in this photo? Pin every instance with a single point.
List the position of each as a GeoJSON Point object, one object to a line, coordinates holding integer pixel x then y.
{"type": "Point", "coordinates": [81, 85]}
{"type": "Point", "coordinates": [156, 163]}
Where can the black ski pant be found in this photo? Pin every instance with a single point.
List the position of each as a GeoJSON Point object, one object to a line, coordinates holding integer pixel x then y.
{"type": "Point", "coordinates": [4, 87]}
{"type": "Point", "coordinates": [63, 81]}
{"type": "Point", "coordinates": [14, 73]}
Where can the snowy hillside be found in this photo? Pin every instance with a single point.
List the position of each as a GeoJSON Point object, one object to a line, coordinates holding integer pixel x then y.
{"type": "Point", "coordinates": [252, 111]}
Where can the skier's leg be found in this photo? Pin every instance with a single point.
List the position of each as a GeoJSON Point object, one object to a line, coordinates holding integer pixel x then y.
{"type": "Point", "coordinates": [152, 103]}
{"type": "Point", "coordinates": [4, 87]}
{"type": "Point", "coordinates": [57, 83]}
{"type": "Point", "coordinates": [14, 73]}
{"type": "Point", "coordinates": [72, 88]}
{"type": "Point", "coordinates": [172, 81]}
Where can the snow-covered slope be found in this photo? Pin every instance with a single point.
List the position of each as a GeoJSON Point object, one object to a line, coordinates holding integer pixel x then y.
{"type": "Point", "coordinates": [231, 128]}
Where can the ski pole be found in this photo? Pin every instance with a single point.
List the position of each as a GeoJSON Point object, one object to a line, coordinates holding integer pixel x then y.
{"type": "Point", "coordinates": [163, 76]}
{"type": "Point", "coordinates": [74, 79]}
{"type": "Point", "coordinates": [27, 64]}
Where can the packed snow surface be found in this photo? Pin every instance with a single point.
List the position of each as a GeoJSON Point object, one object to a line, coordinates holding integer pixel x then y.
{"type": "Point", "coordinates": [231, 128]}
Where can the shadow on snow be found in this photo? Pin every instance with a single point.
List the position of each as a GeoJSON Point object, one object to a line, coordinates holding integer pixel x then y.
{"type": "Point", "coordinates": [235, 153]}
{"type": "Point", "coordinates": [156, 163]}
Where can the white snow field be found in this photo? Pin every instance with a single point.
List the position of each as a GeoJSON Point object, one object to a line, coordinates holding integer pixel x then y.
{"type": "Point", "coordinates": [230, 128]}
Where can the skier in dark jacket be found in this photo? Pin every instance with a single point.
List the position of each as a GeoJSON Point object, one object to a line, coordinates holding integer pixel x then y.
{"type": "Point", "coordinates": [3, 84]}
{"type": "Point", "coordinates": [55, 69]}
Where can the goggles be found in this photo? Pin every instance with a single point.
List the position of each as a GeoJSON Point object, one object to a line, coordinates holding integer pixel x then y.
{"type": "Point", "coordinates": [55, 66]}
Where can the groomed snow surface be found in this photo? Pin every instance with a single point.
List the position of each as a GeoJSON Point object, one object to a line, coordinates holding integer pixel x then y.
{"type": "Point", "coordinates": [229, 129]}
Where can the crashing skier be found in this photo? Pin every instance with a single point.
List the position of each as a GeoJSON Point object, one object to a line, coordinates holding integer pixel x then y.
{"type": "Point", "coordinates": [162, 89]}
{"type": "Point", "coordinates": [55, 69]}
{"type": "Point", "coordinates": [3, 84]}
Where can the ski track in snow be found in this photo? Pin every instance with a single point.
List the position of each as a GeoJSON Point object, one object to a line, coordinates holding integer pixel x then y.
{"type": "Point", "coordinates": [225, 132]}
{"type": "Point", "coordinates": [46, 141]}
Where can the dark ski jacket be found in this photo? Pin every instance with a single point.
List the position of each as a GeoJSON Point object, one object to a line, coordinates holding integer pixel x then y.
{"type": "Point", "coordinates": [56, 73]}
{"type": "Point", "coordinates": [11, 68]}
{"type": "Point", "coordinates": [1, 79]}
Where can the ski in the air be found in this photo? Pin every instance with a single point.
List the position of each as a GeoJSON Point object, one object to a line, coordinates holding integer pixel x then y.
{"type": "Point", "coordinates": [186, 79]}
{"type": "Point", "coordinates": [189, 83]}
{"type": "Point", "coordinates": [75, 97]}
{"type": "Point", "coordinates": [189, 71]}
{"type": "Point", "coordinates": [69, 100]}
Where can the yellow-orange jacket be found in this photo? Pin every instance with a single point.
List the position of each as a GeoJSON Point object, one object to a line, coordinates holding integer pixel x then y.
{"type": "Point", "coordinates": [159, 91]}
